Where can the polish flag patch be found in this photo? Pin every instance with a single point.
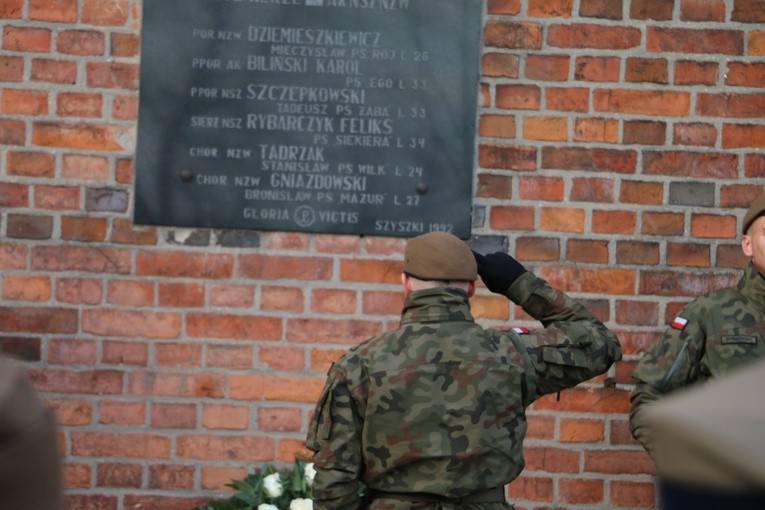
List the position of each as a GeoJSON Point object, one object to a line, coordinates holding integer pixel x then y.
{"type": "Point", "coordinates": [679, 323]}
{"type": "Point", "coordinates": [521, 331]}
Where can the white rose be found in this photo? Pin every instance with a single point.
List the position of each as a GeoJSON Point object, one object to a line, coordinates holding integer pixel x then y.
{"type": "Point", "coordinates": [301, 504]}
{"type": "Point", "coordinates": [265, 506]}
{"type": "Point", "coordinates": [310, 473]}
{"type": "Point", "coordinates": [273, 486]}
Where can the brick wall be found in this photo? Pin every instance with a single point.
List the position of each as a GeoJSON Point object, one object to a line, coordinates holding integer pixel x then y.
{"type": "Point", "coordinates": [619, 142]}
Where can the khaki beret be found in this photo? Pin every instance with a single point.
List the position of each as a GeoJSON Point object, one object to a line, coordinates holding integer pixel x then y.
{"type": "Point", "coordinates": [755, 211]}
{"type": "Point", "coordinates": [439, 256]}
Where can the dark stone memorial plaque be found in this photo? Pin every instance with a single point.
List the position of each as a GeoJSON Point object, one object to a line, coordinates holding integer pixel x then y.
{"type": "Point", "coordinates": [337, 116]}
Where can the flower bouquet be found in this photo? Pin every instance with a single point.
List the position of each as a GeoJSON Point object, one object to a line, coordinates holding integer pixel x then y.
{"type": "Point", "coordinates": [269, 488]}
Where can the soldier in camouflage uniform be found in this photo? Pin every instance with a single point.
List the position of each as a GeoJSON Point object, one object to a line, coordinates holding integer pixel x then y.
{"type": "Point", "coordinates": [432, 415]}
{"type": "Point", "coordinates": [711, 336]}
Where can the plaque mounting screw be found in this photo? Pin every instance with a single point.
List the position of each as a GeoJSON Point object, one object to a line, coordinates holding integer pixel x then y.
{"type": "Point", "coordinates": [422, 188]}
{"type": "Point", "coordinates": [186, 175]}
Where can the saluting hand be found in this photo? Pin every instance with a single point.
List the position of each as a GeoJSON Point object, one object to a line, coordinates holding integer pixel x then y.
{"type": "Point", "coordinates": [498, 270]}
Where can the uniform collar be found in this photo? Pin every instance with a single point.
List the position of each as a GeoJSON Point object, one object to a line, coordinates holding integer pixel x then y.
{"type": "Point", "coordinates": [752, 285]}
{"type": "Point", "coordinates": [436, 305]}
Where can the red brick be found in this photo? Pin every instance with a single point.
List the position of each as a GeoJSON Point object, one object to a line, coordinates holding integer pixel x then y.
{"type": "Point", "coordinates": [173, 416]}
{"type": "Point", "coordinates": [547, 67]}
{"type": "Point", "coordinates": [599, 69]}
{"type": "Point", "coordinates": [748, 11]}
{"type": "Point", "coordinates": [81, 42]}
{"type": "Point", "coordinates": [14, 195]}
{"type": "Point", "coordinates": [515, 35]}
{"type": "Point", "coordinates": [26, 288]}
{"type": "Point", "coordinates": [12, 256]}
{"type": "Point", "coordinates": [105, 12]}
{"type": "Point", "coordinates": [689, 72]}
{"type": "Point", "coordinates": [614, 222]}
{"type": "Point", "coordinates": [83, 229]}
{"type": "Point", "coordinates": [739, 195]}
{"type": "Point", "coordinates": [124, 232]}
{"type": "Point", "coordinates": [534, 488]}
{"type": "Point", "coordinates": [12, 132]}
{"type": "Point", "coordinates": [581, 430]}
{"type": "Point", "coordinates": [104, 321]}
{"type": "Point", "coordinates": [24, 102]}
{"type": "Point", "coordinates": [609, 160]}
{"type": "Point", "coordinates": [591, 280]}
{"type": "Point", "coordinates": [29, 227]}
{"type": "Point", "coordinates": [11, 9]}
{"type": "Point", "coordinates": [580, 491]}
{"type": "Point", "coordinates": [229, 356]}
{"type": "Point", "coordinates": [59, 11]}
{"type": "Point", "coordinates": [713, 226]}
{"type": "Point", "coordinates": [618, 461]}
{"type": "Point", "coordinates": [644, 132]}
{"type": "Point", "coordinates": [79, 502]}
{"type": "Point", "coordinates": [145, 502]}
{"type": "Point", "coordinates": [371, 271]}
{"type": "Point", "coordinates": [642, 102]}
{"type": "Point", "coordinates": [196, 385]}
{"type": "Point", "coordinates": [77, 104]}
{"type": "Point", "coordinates": [71, 412]}
{"type": "Point", "coordinates": [78, 136]}
{"type": "Point", "coordinates": [562, 219]}
{"type": "Point", "coordinates": [279, 357]}
{"type": "Point", "coordinates": [267, 267]}
{"type": "Point", "coordinates": [125, 108]}
{"type": "Point", "coordinates": [743, 136]}
{"type": "Point", "coordinates": [580, 250]}
{"type": "Point", "coordinates": [11, 68]}
{"type": "Point", "coordinates": [545, 128]}
{"type": "Point", "coordinates": [637, 252]}
{"type": "Point", "coordinates": [606, 9]}
{"type": "Point", "coordinates": [241, 327]}
{"type": "Point", "coordinates": [630, 494]}
{"type": "Point", "coordinates": [568, 99]}
{"type": "Point", "coordinates": [124, 444]}
{"type": "Point", "coordinates": [494, 186]}
{"type": "Point", "coordinates": [39, 320]}
{"type": "Point", "coordinates": [72, 352]}
{"type": "Point", "coordinates": [537, 248]}
{"type": "Point", "coordinates": [130, 292]}
{"type": "Point", "coordinates": [504, 6]}
{"type": "Point", "coordinates": [322, 358]}
{"type": "Point", "coordinates": [229, 417]}
{"type": "Point", "coordinates": [115, 412]}
{"type": "Point", "coordinates": [78, 476]}
{"type": "Point", "coordinates": [702, 10]}
{"type": "Point", "coordinates": [125, 353]}
{"type": "Point", "coordinates": [489, 307]}
{"type": "Point", "coordinates": [676, 284]}
{"type": "Point", "coordinates": [681, 254]}
{"type": "Point", "coordinates": [755, 43]}
{"type": "Point", "coordinates": [119, 475]}
{"type": "Point", "coordinates": [288, 299]}
{"type": "Point", "coordinates": [286, 241]}
{"type": "Point", "coordinates": [170, 476]}
{"type": "Point", "coordinates": [279, 419]}
{"type": "Point", "coordinates": [745, 74]}
{"type": "Point", "coordinates": [507, 157]}
{"type": "Point", "coordinates": [331, 301]}
{"type": "Point", "coordinates": [690, 164]}
{"type": "Point", "coordinates": [59, 198]}
{"type": "Point", "coordinates": [337, 243]}
{"type": "Point", "coordinates": [637, 313]}
{"type": "Point", "coordinates": [511, 218]}
{"type": "Point", "coordinates": [186, 264]}
{"type": "Point", "coordinates": [689, 40]}
{"type": "Point", "coordinates": [28, 39]}
{"type": "Point", "coordinates": [592, 190]}
{"type": "Point", "coordinates": [382, 302]}
{"type": "Point", "coordinates": [124, 44]}
{"type": "Point", "coordinates": [500, 65]}
{"type": "Point", "coordinates": [518, 97]}
{"type": "Point", "coordinates": [181, 295]}
{"type": "Point", "coordinates": [583, 35]}
{"type": "Point", "coordinates": [550, 8]}
{"type": "Point", "coordinates": [638, 192]}
{"type": "Point", "coordinates": [497, 126]}
{"type": "Point", "coordinates": [660, 10]}
{"type": "Point", "coordinates": [730, 256]}
{"type": "Point", "coordinates": [596, 130]}
{"type": "Point", "coordinates": [178, 354]}
{"type": "Point", "coordinates": [541, 188]}
{"type": "Point", "coordinates": [698, 134]}
{"type": "Point", "coordinates": [112, 75]}
{"type": "Point", "coordinates": [647, 70]}
{"type": "Point", "coordinates": [731, 105]}
{"type": "Point", "coordinates": [98, 382]}
{"type": "Point", "coordinates": [663, 224]}
{"type": "Point", "coordinates": [331, 331]}
{"type": "Point", "coordinates": [550, 459]}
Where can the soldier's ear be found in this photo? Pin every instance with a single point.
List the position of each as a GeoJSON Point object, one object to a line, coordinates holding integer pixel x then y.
{"type": "Point", "coordinates": [471, 289]}
{"type": "Point", "coordinates": [746, 245]}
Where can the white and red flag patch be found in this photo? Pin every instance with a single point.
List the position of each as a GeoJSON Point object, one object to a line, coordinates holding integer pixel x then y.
{"type": "Point", "coordinates": [521, 331]}
{"type": "Point", "coordinates": [679, 322]}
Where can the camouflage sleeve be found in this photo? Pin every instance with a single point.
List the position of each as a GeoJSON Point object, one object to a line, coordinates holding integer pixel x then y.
{"type": "Point", "coordinates": [574, 345]}
{"type": "Point", "coordinates": [334, 436]}
{"type": "Point", "coordinates": [670, 363]}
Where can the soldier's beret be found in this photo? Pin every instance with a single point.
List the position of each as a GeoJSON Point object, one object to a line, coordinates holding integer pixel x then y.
{"type": "Point", "coordinates": [756, 210]}
{"type": "Point", "coordinates": [439, 256]}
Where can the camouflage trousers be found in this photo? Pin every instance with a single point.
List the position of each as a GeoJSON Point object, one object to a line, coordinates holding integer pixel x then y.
{"type": "Point", "coordinates": [390, 504]}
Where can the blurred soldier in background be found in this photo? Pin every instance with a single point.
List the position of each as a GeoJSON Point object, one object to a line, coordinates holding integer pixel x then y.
{"type": "Point", "coordinates": [30, 472]}
{"type": "Point", "coordinates": [432, 414]}
{"type": "Point", "coordinates": [709, 443]}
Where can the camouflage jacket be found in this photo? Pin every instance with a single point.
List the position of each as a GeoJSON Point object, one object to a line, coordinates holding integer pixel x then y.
{"type": "Point", "coordinates": [438, 405]}
{"type": "Point", "coordinates": [712, 335]}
